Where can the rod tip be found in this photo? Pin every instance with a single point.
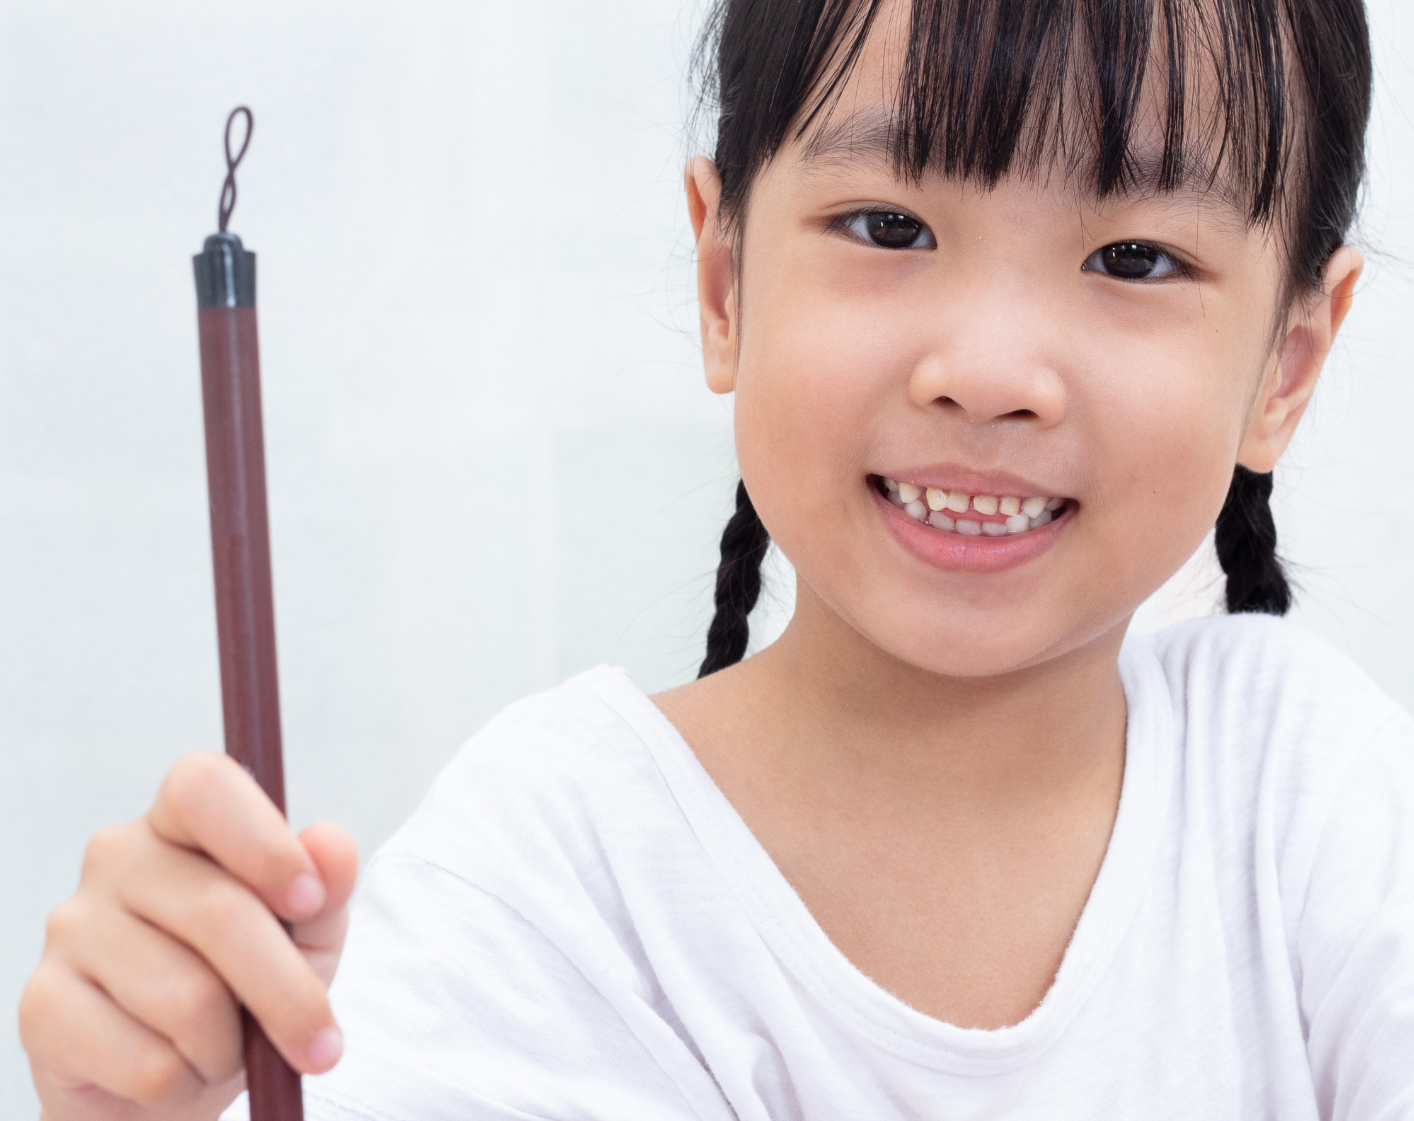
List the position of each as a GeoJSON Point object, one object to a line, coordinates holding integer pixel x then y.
{"type": "Point", "coordinates": [222, 241]}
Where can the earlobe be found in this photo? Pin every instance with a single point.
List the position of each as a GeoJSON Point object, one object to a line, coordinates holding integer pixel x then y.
{"type": "Point", "coordinates": [1297, 364]}
{"type": "Point", "coordinates": [716, 274]}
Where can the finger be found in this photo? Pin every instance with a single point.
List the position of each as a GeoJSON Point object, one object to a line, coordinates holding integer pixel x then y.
{"type": "Point", "coordinates": [335, 855]}
{"type": "Point", "coordinates": [77, 1034]}
{"type": "Point", "coordinates": [209, 803]}
{"type": "Point", "coordinates": [160, 982]}
{"type": "Point", "coordinates": [220, 918]}
{"type": "Point", "coordinates": [322, 937]}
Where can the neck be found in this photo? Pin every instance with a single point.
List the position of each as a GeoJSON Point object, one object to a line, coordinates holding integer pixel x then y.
{"type": "Point", "coordinates": [827, 706]}
{"type": "Point", "coordinates": [944, 832]}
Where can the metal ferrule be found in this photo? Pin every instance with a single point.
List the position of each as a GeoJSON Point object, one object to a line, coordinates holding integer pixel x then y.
{"type": "Point", "coordinates": [225, 273]}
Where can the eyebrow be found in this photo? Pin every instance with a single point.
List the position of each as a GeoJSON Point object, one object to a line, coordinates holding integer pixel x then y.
{"type": "Point", "coordinates": [859, 138]}
{"type": "Point", "coordinates": [869, 138]}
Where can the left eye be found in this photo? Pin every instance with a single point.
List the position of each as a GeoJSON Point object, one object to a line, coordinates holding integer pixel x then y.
{"type": "Point", "coordinates": [890, 230]}
{"type": "Point", "coordinates": [1133, 260]}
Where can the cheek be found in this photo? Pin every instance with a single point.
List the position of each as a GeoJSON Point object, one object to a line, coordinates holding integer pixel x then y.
{"type": "Point", "coordinates": [810, 395]}
{"type": "Point", "coordinates": [1165, 426]}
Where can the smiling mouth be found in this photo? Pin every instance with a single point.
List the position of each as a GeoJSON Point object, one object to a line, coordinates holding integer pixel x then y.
{"type": "Point", "coordinates": [971, 515]}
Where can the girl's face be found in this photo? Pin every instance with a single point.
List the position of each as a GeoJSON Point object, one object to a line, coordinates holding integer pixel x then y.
{"type": "Point", "coordinates": [983, 346]}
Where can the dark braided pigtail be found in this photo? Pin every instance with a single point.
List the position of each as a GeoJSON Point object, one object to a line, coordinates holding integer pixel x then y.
{"type": "Point", "coordinates": [1247, 547]}
{"type": "Point", "coordinates": [744, 544]}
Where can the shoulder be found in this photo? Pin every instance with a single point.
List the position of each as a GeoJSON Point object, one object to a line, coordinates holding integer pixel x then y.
{"type": "Point", "coordinates": [566, 736]}
{"type": "Point", "coordinates": [546, 785]}
{"type": "Point", "coordinates": [1268, 684]}
{"type": "Point", "coordinates": [494, 965]}
{"type": "Point", "coordinates": [1283, 745]}
{"type": "Point", "coordinates": [496, 954]}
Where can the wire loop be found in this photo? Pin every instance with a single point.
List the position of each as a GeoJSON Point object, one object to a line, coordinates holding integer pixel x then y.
{"type": "Point", "coordinates": [228, 189]}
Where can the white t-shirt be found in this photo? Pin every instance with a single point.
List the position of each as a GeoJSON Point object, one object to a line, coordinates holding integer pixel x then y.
{"type": "Point", "coordinates": [577, 925]}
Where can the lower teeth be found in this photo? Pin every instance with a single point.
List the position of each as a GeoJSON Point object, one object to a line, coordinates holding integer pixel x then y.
{"type": "Point", "coordinates": [967, 527]}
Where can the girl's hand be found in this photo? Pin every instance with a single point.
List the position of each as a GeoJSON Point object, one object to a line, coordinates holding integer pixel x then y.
{"type": "Point", "coordinates": [134, 1011]}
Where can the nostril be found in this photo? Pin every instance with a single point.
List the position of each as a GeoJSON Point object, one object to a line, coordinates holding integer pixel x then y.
{"type": "Point", "coordinates": [951, 403]}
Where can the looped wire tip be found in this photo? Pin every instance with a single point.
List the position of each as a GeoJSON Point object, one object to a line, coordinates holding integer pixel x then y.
{"type": "Point", "coordinates": [228, 189]}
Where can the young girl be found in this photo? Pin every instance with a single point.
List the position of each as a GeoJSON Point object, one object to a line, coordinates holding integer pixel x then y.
{"type": "Point", "coordinates": [1017, 299]}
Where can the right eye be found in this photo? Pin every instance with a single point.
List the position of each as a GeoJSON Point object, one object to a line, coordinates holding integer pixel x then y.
{"type": "Point", "coordinates": [889, 229]}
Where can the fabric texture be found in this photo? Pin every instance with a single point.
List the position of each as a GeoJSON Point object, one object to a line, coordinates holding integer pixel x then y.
{"type": "Point", "coordinates": [577, 925]}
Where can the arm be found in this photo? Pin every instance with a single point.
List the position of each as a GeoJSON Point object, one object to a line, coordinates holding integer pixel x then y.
{"type": "Point", "coordinates": [1355, 940]}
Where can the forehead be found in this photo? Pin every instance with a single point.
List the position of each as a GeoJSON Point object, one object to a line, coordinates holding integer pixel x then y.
{"type": "Point", "coordinates": [1166, 102]}
{"type": "Point", "coordinates": [865, 141]}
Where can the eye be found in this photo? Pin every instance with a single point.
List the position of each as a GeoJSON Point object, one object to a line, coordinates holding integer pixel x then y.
{"type": "Point", "coordinates": [1134, 260]}
{"type": "Point", "coordinates": [889, 229]}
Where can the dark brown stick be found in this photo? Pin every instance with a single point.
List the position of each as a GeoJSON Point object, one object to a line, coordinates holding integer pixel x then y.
{"type": "Point", "coordinates": [240, 540]}
{"type": "Point", "coordinates": [240, 549]}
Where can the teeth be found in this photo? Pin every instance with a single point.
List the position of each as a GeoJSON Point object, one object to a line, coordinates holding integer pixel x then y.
{"type": "Point", "coordinates": [936, 507]}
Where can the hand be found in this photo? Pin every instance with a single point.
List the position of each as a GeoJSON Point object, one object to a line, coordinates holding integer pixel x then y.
{"type": "Point", "coordinates": [134, 1011]}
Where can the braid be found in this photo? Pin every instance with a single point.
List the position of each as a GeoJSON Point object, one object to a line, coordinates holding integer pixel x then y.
{"type": "Point", "coordinates": [744, 543]}
{"type": "Point", "coordinates": [1247, 547]}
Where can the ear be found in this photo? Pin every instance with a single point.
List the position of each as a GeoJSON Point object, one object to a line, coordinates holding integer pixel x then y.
{"type": "Point", "coordinates": [716, 275]}
{"type": "Point", "coordinates": [1298, 360]}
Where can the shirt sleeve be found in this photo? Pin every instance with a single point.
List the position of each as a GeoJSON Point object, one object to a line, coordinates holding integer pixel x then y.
{"type": "Point", "coordinates": [455, 1008]}
{"type": "Point", "coordinates": [1355, 940]}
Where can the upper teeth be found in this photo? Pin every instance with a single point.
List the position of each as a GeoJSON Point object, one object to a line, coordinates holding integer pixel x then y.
{"type": "Point", "coordinates": [1019, 514]}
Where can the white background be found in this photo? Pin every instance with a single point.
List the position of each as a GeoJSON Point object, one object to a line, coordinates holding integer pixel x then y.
{"type": "Point", "coordinates": [492, 461]}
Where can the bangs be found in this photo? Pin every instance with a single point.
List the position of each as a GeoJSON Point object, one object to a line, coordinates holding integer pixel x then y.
{"type": "Point", "coordinates": [1119, 95]}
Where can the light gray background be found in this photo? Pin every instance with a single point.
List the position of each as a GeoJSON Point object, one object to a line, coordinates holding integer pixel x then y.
{"type": "Point", "coordinates": [492, 460]}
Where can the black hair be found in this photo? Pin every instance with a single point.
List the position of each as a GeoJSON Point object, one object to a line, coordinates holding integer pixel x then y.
{"type": "Point", "coordinates": [1246, 541]}
{"type": "Point", "coordinates": [744, 545]}
{"type": "Point", "coordinates": [990, 88]}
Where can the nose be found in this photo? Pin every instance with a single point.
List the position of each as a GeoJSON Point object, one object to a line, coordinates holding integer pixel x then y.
{"type": "Point", "coordinates": [994, 360]}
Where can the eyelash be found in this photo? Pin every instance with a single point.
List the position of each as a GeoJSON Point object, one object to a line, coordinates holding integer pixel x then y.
{"type": "Point", "coordinates": [1177, 267]}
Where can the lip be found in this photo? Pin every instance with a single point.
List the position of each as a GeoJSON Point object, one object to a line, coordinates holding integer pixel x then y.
{"type": "Point", "coordinates": [946, 476]}
{"type": "Point", "coordinates": [953, 552]}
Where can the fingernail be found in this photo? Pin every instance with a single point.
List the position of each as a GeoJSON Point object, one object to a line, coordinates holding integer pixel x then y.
{"type": "Point", "coordinates": [306, 895]}
{"type": "Point", "coordinates": [324, 1052]}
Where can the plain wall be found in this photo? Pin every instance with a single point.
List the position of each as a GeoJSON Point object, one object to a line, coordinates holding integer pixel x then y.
{"type": "Point", "coordinates": [492, 460]}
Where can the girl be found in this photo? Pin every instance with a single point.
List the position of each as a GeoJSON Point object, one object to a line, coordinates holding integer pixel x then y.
{"type": "Point", "coordinates": [1017, 299]}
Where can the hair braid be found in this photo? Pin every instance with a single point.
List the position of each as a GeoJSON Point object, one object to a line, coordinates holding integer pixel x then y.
{"type": "Point", "coordinates": [1247, 547]}
{"type": "Point", "coordinates": [744, 544]}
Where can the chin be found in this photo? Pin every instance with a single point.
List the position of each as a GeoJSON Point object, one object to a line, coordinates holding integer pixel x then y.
{"type": "Point", "coordinates": [972, 652]}
{"type": "Point", "coordinates": [957, 639]}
